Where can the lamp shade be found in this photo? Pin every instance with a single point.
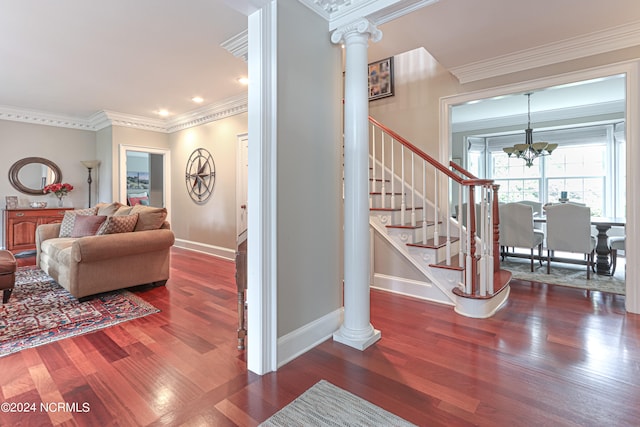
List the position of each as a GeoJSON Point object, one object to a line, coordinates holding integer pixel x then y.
{"type": "Point", "coordinates": [90, 164]}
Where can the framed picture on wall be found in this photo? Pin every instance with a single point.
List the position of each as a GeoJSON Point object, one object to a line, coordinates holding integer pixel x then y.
{"type": "Point", "coordinates": [381, 79]}
{"type": "Point", "coordinates": [12, 202]}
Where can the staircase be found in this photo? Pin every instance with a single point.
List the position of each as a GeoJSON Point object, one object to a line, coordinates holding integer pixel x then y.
{"type": "Point", "coordinates": [412, 199]}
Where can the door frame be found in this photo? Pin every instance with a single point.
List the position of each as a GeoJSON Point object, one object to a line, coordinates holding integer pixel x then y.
{"type": "Point", "coordinates": [631, 70]}
{"type": "Point", "coordinates": [166, 165]}
{"type": "Point", "coordinates": [240, 171]}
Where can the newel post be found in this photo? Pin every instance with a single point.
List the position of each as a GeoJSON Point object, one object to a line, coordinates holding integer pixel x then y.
{"type": "Point", "coordinates": [471, 221]}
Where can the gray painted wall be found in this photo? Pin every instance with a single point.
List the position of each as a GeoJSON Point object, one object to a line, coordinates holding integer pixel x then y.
{"type": "Point", "coordinates": [309, 169]}
{"type": "Point", "coordinates": [214, 222]}
{"type": "Point", "coordinates": [65, 147]}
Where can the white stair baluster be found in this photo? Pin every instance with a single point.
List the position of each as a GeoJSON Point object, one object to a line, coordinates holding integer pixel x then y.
{"type": "Point", "coordinates": [436, 226]}
{"type": "Point", "coordinates": [373, 160]}
{"type": "Point", "coordinates": [413, 191]}
{"type": "Point", "coordinates": [462, 240]}
{"type": "Point", "coordinates": [424, 202]}
{"type": "Point", "coordinates": [393, 176]}
{"type": "Point", "coordinates": [382, 172]}
{"type": "Point", "coordinates": [403, 203]}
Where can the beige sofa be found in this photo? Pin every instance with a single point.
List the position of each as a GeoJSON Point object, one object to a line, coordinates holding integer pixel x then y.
{"type": "Point", "coordinates": [94, 264]}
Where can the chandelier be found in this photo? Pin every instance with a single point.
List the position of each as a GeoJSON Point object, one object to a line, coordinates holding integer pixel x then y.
{"type": "Point", "coordinates": [529, 151]}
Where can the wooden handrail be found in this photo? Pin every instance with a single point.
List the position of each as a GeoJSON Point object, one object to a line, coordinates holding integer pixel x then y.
{"type": "Point", "coordinates": [462, 170]}
{"type": "Point", "coordinates": [417, 151]}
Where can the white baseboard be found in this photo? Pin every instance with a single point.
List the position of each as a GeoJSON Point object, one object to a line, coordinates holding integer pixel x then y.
{"type": "Point", "coordinates": [413, 288]}
{"type": "Point", "coordinates": [310, 335]}
{"type": "Point", "coordinates": [216, 251]}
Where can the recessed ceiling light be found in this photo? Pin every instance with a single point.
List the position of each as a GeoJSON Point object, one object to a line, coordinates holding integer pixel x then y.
{"type": "Point", "coordinates": [243, 80]}
{"type": "Point", "coordinates": [163, 113]}
{"type": "Point", "coordinates": [197, 99]}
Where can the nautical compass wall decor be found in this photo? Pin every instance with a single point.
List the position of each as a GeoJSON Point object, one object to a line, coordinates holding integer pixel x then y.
{"type": "Point", "coordinates": [200, 175]}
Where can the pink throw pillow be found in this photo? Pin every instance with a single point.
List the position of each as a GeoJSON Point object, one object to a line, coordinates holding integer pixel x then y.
{"type": "Point", "coordinates": [87, 225]}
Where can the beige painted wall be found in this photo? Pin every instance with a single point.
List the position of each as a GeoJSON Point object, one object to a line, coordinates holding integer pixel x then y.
{"type": "Point", "coordinates": [210, 227]}
{"type": "Point", "coordinates": [309, 222]}
{"type": "Point", "coordinates": [414, 110]}
{"type": "Point", "coordinates": [65, 147]}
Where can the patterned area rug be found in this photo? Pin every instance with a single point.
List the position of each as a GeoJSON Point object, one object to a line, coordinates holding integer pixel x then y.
{"type": "Point", "coordinates": [41, 311]}
{"type": "Point", "coordinates": [571, 275]}
{"type": "Point", "coordinates": [327, 405]}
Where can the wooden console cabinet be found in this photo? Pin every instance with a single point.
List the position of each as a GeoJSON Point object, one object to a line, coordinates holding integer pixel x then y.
{"type": "Point", "coordinates": [20, 226]}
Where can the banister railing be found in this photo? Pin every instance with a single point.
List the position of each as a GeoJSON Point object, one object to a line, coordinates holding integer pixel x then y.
{"type": "Point", "coordinates": [395, 162]}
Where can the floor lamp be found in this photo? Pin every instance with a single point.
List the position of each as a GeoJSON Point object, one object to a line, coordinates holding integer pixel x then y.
{"type": "Point", "coordinates": [90, 164]}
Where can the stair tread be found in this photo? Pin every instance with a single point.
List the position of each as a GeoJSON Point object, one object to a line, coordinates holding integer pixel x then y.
{"type": "Point", "coordinates": [394, 209]}
{"type": "Point", "coordinates": [432, 244]}
{"type": "Point", "coordinates": [388, 193]}
{"type": "Point", "coordinates": [455, 265]}
{"type": "Point", "coordinates": [409, 226]}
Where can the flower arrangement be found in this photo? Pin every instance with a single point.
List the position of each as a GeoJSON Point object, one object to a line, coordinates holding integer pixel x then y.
{"type": "Point", "coordinates": [60, 190]}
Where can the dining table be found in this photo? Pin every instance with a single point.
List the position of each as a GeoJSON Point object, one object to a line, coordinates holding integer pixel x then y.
{"type": "Point", "coordinates": [603, 225]}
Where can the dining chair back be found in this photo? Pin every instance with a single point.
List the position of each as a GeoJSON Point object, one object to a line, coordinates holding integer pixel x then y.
{"type": "Point", "coordinates": [569, 230]}
{"type": "Point", "coordinates": [517, 229]}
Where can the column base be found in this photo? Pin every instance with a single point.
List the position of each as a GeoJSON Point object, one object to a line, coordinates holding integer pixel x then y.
{"type": "Point", "coordinates": [359, 343]}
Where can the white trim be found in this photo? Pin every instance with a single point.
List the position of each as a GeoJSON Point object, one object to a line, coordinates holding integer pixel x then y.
{"type": "Point", "coordinates": [238, 45]}
{"type": "Point", "coordinates": [210, 113]}
{"type": "Point", "coordinates": [412, 288]}
{"type": "Point", "coordinates": [307, 337]}
{"type": "Point", "coordinates": [16, 114]}
{"type": "Point", "coordinates": [226, 108]}
{"type": "Point", "coordinates": [262, 286]}
{"type": "Point", "coordinates": [599, 42]}
{"type": "Point", "coordinates": [632, 72]}
{"type": "Point", "coordinates": [240, 196]}
{"type": "Point", "coordinates": [611, 107]}
{"type": "Point", "coordinates": [341, 12]}
{"type": "Point", "coordinates": [166, 173]}
{"type": "Point", "coordinates": [216, 251]}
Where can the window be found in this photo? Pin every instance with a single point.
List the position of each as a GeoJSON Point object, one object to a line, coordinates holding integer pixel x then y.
{"type": "Point", "coordinates": [588, 165]}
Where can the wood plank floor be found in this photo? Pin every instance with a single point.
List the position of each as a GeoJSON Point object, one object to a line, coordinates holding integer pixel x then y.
{"type": "Point", "coordinates": [552, 356]}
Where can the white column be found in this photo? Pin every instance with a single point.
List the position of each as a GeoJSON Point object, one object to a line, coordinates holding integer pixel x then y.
{"type": "Point", "coordinates": [356, 330]}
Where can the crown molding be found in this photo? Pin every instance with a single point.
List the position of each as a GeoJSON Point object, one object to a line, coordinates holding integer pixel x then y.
{"type": "Point", "coordinates": [547, 116]}
{"type": "Point", "coordinates": [230, 107]}
{"type": "Point", "coordinates": [342, 12]}
{"type": "Point", "coordinates": [105, 118]}
{"type": "Point", "coordinates": [17, 114]}
{"type": "Point", "coordinates": [102, 119]}
{"type": "Point", "coordinates": [238, 45]}
{"type": "Point", "coordinates": [599, 42]}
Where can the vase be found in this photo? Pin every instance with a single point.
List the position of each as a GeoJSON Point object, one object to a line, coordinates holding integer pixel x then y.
{"type": "Point", "coordinates": [60, 201]}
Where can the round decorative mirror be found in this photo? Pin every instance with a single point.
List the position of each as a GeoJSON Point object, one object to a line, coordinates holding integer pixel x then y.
{"type": "Point", "coordinates": [31, 174]}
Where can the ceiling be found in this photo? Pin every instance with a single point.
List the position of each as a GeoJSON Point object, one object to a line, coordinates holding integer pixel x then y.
{"type": "Point", "coordinates": [76, 58]}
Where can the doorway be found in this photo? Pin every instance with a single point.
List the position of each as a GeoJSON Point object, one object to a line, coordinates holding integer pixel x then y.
{"type": "Point", "coordinates": [145, 176]}
{"type": "Point", "coordinates": [626, 137]}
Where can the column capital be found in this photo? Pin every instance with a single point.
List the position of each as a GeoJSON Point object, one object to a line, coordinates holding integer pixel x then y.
{"type": "Point", "coordinates": [360, 26]}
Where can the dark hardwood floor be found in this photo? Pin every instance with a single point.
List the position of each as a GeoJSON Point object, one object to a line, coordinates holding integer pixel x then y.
{"type": "Point", "coordinates": [552, 356]}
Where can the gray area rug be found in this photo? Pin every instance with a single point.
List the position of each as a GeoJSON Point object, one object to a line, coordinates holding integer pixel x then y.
{"type": "Point", "coordinates": [571, 275]}
{"type": "Point", "coordinates": [327, 405]}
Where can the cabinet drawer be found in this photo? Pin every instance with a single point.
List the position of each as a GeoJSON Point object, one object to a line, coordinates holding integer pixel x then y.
{"type": "Point", "coordinates": [35, 213]}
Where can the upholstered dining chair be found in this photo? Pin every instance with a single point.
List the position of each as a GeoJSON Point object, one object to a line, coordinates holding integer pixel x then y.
{"type": "Point", "coordinates": [517, 231]}
{"type": "Point", "coordinates": [569, 230]}
{"type": "Point", "coordinates": [616, 243]}
{"type": "Point", "coordinates": [537, 210]}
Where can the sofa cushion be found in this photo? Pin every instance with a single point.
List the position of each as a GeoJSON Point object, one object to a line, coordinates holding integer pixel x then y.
{"type": "Point", "coordinates": [108, 209]}
{"type": "Point", "coordinates": [119, 224]}
{"type": "Point", "coordinates": [87, 225]}
{"type": "Point", "coordinates": [123, 210]}
{"type": "Point", "coordinates": [52, 247]}
{"type": "Point", "coordinates": [149, 218]}
{"type": "Point", "coordinates": [69, 219]}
